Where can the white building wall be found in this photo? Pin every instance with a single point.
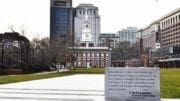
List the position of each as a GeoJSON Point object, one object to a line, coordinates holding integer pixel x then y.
{"type": "Point", "coordinates": [87, 13]}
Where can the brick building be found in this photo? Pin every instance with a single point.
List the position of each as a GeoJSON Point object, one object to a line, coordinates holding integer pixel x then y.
{"type": "Point", "coordinates": [92, 56]}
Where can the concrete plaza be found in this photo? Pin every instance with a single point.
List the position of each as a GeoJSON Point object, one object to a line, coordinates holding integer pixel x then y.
{"type": "Point", "coordinates": [68, 88]}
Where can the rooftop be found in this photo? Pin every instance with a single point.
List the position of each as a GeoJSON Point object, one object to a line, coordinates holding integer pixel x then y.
{"type": "Point", "coordinates": [170, 13]}
{"type": "Point", "coordinates": [108, 35]}
{"type": "Point", "coordinates": [86, 6]}
{"type": "Point", "coordinates": [90, 48]}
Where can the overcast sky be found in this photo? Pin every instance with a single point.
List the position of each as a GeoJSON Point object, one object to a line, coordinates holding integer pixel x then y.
{"type": "Point", "coordinates": [115, 14]}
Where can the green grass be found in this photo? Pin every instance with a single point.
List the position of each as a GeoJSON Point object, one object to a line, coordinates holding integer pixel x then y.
{"type": "Point", "coordinates": [88, 71]}
{"type": "Point", "coordinates": [170, 79]}
{"type": "Point", "coordinates": [170, 83]}
{"type": "Point", "coordinates": [28, 77]}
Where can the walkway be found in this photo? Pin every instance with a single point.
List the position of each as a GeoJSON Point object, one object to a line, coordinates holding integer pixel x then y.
{"type": "Point", "coordinates": [69, 88]}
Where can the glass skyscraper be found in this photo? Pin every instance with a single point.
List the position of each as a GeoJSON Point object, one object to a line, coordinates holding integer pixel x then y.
{"type": "Point", "coordinates": [61, 20]}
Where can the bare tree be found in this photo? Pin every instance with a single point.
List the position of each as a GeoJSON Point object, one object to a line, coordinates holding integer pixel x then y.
{"type": "Point", "coordinates": [11, 27]}
{"type": "Point", "coordinates": [58, 50]}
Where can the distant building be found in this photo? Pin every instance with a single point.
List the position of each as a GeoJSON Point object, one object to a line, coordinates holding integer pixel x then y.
{"type": "Point", "coordinates": [87, 17]}
{"type": "Point", "coordinates": [150, 36]}
{"type": "Point", "coordinates": [134, 62]}
{"type": "Point", "coordinates": [61, 20]}
{"type": "Point", "coordinates": [161, 40]}
{"type": "Point", "coordinates": [108, 39]}
{"type": "Point", "coordinates": [128, 35]}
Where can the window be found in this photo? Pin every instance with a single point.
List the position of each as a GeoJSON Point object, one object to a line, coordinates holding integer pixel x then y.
{"type": "Point", "coordinates": [97, 54]}
{"type": "Point", "coordinates": [94, 12]}
{"type": "Point", "coordinates": [106, 55]}
{"type": "Point", "coordinates": [88, 54]}
{"type": "Point", "coordinates": [84, 54]}
{"type": "Point", "coordinates": [79, 64]}
{"type": "Point", "coordinates": [92, 54]}
{"type": "Point", "coordinates": [102, 64]}
{"type": "Point", "coordinates": [79, 54]}
{"type": "Point", "coordinates": [60, 3]}
{"type": "Point", "coordinates": [87, 26]}
{"type": "Point", "coordinates": [173, 20]}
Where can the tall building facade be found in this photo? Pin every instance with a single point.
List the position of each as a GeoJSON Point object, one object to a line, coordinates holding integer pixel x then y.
{"type": "Point", "coordinates": [61, 20]}
{"type": "Point", "coordinates": [87, 20]}
{"type": "Point", "coordinates": [170, 29]}
{"type": "Point", "coordinates": [161, 40]}
{"type": "Point", "coordinates": [151, 37]}
{"type": "Point", "coordinates": [128, 35]}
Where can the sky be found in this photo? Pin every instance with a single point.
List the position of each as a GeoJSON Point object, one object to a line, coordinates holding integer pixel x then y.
{"type": "Point", "coordinates": [34, 15]}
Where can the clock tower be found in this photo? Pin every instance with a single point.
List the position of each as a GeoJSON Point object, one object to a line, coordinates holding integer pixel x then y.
{"type": "Point", "coordinates": [86, 38]}
{"type": "Point", "coordinates": [86, 33]}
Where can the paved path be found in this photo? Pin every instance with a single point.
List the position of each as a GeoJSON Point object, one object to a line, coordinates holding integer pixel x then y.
{"type": "Point", "coordinates": [69, 88]}
{"type": "Point", "coordinates": [60, 70]}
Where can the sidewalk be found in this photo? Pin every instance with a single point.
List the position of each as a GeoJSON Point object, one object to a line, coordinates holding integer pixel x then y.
{"type": "Point", "coordinates": [68, 88]}
{"type": "Point", "coordinates": [60, 71]}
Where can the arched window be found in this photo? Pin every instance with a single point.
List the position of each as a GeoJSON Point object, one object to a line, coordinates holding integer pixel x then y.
{"type": "Point", "coordinates": [80, 12]}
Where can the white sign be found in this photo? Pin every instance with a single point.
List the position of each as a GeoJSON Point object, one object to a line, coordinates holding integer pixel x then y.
{"type": "Point", "coordinates": [132, 84]}
{"type": "Point", "coordinates": [158, 45]}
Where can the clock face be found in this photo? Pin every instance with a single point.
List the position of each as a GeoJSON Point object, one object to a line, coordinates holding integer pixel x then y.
{"type": "Point", "coordinates": [87, 35]}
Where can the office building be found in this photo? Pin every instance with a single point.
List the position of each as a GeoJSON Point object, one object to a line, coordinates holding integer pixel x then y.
{"type": "Point", "coordinates": [61, 21]}
{"type": "Point", "coordinates": [170, 29]}
{"type": "Point", "coordinates": [127, 35]}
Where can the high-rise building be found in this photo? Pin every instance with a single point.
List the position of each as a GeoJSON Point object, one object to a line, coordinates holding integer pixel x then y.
{"type": "Point", "coordinates": [61, 20]}
{"type": "Point", "coordinates": [87, 20]}
{"type": "Point", "coordinates": [128, 35]}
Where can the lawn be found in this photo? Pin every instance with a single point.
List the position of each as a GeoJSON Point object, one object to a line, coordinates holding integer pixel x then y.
{"type": "Point", "coordinates": [28, 77]}
{"type": "Point", "coordinates": [170, 83]}
{"type": "Point", "coordinates": [170, 79]}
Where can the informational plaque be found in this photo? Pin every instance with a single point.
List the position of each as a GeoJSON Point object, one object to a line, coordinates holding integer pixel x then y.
{"type": "Point", "coordinates": [132, 84]}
